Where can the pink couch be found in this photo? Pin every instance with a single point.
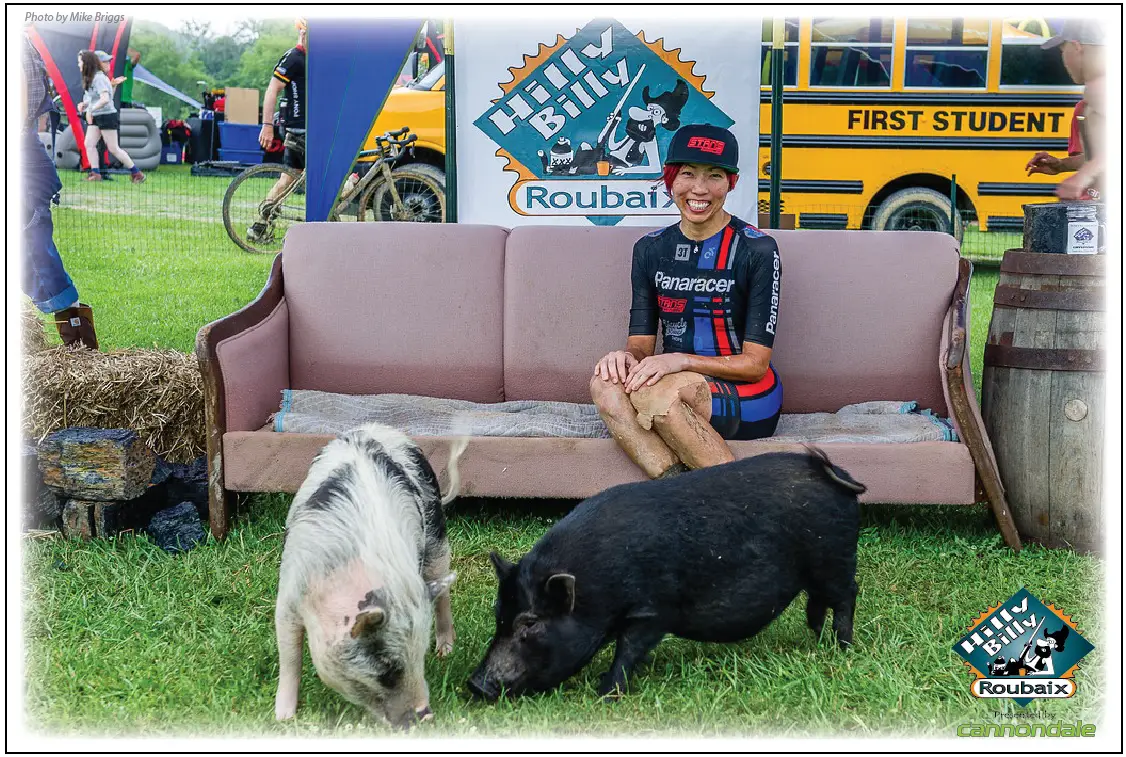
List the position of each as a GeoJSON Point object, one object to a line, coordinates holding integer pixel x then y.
{"type": "Point", "coordinates": [488, 314]}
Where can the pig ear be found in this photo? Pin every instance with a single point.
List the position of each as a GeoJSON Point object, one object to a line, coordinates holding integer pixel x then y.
{"type": "Point", "coordinates": [437, 587]}
{"type": "Point", "coordinates": [368, 621]}
{"type": "Point", "coordinates": [503, 567]}
{"type": "Point", "coordinates": [560, 590]}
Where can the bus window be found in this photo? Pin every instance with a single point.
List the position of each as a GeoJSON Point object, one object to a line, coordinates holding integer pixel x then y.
{"type": "Point", "coordinates": [789, 52]}
{"type": "Point", "coordinates": [851, 52]}
{"type": "Point", "coordinates": [1023, 63]}
{"type": "Point", "coordinates": [948, 53]}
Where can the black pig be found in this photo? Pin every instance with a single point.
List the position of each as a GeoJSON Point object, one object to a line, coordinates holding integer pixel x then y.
{"type": "Point", "coordinates": [711, 555]}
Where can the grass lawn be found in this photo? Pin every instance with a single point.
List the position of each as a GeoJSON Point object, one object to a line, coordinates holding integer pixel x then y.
{"type": "Point", "coordinates": [123, 639]}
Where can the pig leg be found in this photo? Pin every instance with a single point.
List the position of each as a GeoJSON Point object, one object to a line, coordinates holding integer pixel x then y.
{"type": "Point", "coordinates": [291, 636]}
{"type": "Point", "coordinates": [634, 644]}
{"type": "Point", "coordinates": [815, 608]}
{"type": "Point", "coordinates": [844, 605]}
{"type": "Point", "coordinates": [438, 566]}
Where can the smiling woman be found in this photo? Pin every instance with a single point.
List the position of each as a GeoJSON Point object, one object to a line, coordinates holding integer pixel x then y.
{"type": "Point", "coordinates": [714, 380]}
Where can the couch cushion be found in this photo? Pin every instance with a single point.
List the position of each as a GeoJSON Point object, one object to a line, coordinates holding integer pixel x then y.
{"type": "Point", "coordinates": [919, 473]}
{"type": "Point", "coordinates": [860, 316]}
{"type": "Point", "coordinates": [396, 307]}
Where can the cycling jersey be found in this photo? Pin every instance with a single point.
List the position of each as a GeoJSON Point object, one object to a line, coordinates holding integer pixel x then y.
{"type": "Point", "coordinates": [290, 70]}
{"type": "Point", "coordinates": [709, 297]}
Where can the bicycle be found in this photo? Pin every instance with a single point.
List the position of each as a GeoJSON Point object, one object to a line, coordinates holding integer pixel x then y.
{"type": "Point", "coordinates": [386, 192]}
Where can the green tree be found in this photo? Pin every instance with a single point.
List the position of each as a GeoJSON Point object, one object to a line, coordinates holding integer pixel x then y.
{"type": "Point", "coordinates": [167, 55]}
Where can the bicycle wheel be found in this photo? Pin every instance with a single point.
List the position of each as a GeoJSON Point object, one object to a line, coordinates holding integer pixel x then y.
{"type": "Point", "coordinates": [422, 194]}
{"type": "Point", "coordinates": [250, 223]}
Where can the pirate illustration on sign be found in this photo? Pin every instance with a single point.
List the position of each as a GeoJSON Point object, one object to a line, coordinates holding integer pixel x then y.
{"type": "Point", "coordinates": [1035, 659]}
{"type": "Point", "coordinates": [636, 152]}
{"type": "Point", "coordinates": [640, 141]}
{"type": "Point", "coordinates": [1038, 660]}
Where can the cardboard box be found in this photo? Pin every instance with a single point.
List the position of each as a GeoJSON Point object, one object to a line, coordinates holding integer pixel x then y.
{"type": "Point", "coordinates": [785, 220]}
{"type": "Point", "coordinates": [242, 105]}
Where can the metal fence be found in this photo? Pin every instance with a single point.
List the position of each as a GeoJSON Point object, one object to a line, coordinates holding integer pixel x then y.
{"type": "Point", "coordinates": [170, 207]}
{"type": "Point", "coordinates": [175, 207]}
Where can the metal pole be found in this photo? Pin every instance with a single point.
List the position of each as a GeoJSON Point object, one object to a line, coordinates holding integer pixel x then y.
{"type": "Point", "coordinates": [953, 202]}
{"type": "Point", "coordinates": [778, 47]}
{"type": "Point", "coordinates": [451, 130]}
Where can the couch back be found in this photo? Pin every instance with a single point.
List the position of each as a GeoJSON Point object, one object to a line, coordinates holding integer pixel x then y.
{"type": "Point", "coordinates": [860, 316]}
{"type": "Point", "coordinates": [396, 307]}
{"type": "Point", "coordinates": [483, 313]}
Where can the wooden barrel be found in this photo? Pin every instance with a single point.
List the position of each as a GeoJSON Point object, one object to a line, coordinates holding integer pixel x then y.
{"type": "Point", "coordinates": [1043, 394]}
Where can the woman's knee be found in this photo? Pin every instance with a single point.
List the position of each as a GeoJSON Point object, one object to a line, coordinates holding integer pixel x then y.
{"type": "Point", "coordinates": [656, 400]}
{"type": "Point", "coordinates": [611, 399]}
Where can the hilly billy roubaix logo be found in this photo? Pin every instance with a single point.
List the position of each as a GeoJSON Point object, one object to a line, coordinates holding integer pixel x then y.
{"type": "Point", "coordinates": [586, 121]}
{"type": "Point", "coordinates": [1024, 650]}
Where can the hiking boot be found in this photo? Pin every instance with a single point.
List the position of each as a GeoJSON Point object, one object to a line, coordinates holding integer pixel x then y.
{"type": "Point", "coordinates": [93, 176]}
{"type": "Point", "coordinates": [138, 178]}
{"type": "Point", "coordinates": [76, 326]}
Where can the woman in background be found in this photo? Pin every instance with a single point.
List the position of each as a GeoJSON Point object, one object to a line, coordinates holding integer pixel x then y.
{"type": "Point", "coordinates": [101, 116]}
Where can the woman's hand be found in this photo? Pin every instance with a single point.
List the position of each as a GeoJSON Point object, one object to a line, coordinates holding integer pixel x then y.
{"type": "Point", "coordinates": [615, 367]}
{"type": "Point", "coordinates": [81, 106]}
{"type": "Point", "coordinates": [650, 370]}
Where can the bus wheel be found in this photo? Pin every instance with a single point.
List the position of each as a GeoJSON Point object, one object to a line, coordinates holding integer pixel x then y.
{"type": "Point", "coordinates": [917, 209]}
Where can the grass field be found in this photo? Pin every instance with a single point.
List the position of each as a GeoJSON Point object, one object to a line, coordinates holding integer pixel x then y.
{"type": "Point", "coordinates": [123, 639]}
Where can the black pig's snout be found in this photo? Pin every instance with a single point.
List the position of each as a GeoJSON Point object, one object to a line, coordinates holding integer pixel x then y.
{"type": "Point", "coordinates": [481, 687]}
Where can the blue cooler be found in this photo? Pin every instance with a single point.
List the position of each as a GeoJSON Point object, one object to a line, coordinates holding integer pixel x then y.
{"type": "Point", "coordinates": [239, 136]}
{"type": "Point", "coordinates": [173, 153]}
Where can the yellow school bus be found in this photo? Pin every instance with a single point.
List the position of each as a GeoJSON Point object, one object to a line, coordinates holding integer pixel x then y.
{"type": "Point", "coordinates": [879, 114]}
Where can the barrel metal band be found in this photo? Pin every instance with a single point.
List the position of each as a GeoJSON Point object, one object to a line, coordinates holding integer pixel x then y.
{"type": "Point", "coordinates": [1000, 356]}
{"type": "Point", "coordinates": [1019, 261]}
{"type": "Point", "coordinates": [1091, 298]}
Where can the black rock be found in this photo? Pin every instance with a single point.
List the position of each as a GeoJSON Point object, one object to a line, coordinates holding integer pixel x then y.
{"type": "Point", "coordinates": [188, 483]}
{"type": "Point", "coordinates": [177, 529]}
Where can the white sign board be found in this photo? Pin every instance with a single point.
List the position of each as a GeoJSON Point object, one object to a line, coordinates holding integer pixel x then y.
{"type": "Point", "coordinates": [569, 122]}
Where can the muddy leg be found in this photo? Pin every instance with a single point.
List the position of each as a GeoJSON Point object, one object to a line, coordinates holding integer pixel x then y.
{"type": "Point", "coordinates": [643, 445]}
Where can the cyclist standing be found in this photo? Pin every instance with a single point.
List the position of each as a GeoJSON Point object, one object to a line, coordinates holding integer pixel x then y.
{"type": "Point", "coordinates": [288, 74]}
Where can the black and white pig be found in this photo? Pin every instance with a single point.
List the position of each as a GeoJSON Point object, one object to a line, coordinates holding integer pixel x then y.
{"type": "Point", "coordinates": [711, 555]}
{"type": "Point", "coordinates": [365, 558]}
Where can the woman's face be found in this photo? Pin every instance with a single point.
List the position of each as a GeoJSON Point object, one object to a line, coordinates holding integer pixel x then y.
{"type": "Point", "coordinates": [79, 62]}
{"type": "Point", "coordinates": [699, 191]}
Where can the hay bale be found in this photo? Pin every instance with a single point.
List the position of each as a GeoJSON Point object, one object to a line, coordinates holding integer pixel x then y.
{"type": "Point", "coordinates": [157, 393]}
{"type": "Point", "coordinates": [34, 337]}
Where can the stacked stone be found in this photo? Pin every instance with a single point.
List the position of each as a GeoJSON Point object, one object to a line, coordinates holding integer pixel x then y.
{"type": "Point", "coordinates": [103, 482]}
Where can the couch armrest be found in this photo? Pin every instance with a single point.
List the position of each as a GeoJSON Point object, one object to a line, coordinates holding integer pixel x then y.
{"type": "Point", "coordinates": [244, 361]}
{"type": "Point", "coordinates": [958, 386]}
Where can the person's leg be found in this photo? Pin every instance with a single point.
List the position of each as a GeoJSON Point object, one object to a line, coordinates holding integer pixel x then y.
{"type": "Point", "coordinates": [116, 150]}
{"type": "Point", "coordinates": [45, 279]}
{"type": "Point", "coordinates": [678, 408]}
{"type": "Point", "coordinates": [644, 446]}
{"type": "Point", "coordinates": [278, 190]}
{"type": "Point", "coordinates": [93, 134]}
